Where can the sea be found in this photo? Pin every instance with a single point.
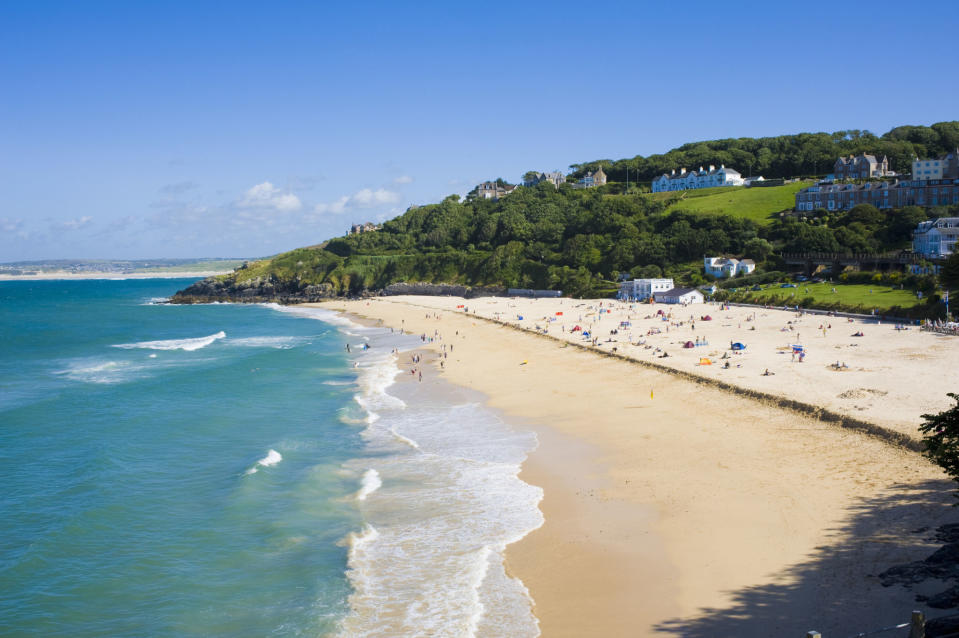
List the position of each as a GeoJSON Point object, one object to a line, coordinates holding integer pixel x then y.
{"type": "Point", "coordinates": [233, 470]}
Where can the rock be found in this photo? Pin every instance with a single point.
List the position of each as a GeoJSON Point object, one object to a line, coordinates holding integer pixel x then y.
{"type": "Point", "coordinates": [257, 290]}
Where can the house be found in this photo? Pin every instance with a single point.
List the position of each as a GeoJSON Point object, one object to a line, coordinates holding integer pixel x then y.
{"type": "Point", "coordinates": [591, 179]}
{"type": "Point", "coordinates": [722, 267]}
{"type": "Point", "coordinates": [555, 178]}
{"type": "Point", "coordinates": [936, 239]}
{"type": "Point", "coordinates": [751, 181]}
{"type": "Point", "coordinates": [493, 190]}
{"type": "Point", "coordinates": [683, 180]}
{"type": "Point", "coordinates": [885, 194]}
{"type": "Point", "coordinates": [943, 167]}
{"type": "Point", "coordinates": [368, 227]}
{"type": "Point", "coordinates": [861, 167]}
{"type": "Point", "coordinates": [680, 295]}
{"type": "Point", "coordinates": [643, 289]}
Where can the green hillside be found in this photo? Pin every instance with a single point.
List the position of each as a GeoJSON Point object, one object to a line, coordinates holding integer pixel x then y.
{"type": "Point", "coordinates": [761, 205]}
{"type": "Point", "coordinates": [581, 240]}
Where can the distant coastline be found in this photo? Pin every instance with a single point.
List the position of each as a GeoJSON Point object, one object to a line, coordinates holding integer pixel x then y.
{"type": "Point", "coordinates": [52, 275]}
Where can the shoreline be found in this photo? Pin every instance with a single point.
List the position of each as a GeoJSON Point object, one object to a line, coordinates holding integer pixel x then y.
{"type": "Point", "coordinates": [69, 276]}
{"type": "Point", "coordinates": [665, 515]}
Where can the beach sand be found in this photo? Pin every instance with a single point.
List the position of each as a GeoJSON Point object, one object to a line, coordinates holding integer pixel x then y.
{"type": "Point", "coordinates": [679, 508]}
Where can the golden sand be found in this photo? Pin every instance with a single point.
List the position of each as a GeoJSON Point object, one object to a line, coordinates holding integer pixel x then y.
{"type": "Point", "coordinates": [681, 508]}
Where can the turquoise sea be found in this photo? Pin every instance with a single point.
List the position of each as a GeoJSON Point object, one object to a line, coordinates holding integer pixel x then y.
{"type": "Point", "coordinates": [231, 470]}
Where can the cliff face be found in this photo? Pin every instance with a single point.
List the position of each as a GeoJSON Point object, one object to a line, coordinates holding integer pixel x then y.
{"type": "Point", "coordinates": [257, 290]}
{"type": "Point", "coordinates": [271, 289]}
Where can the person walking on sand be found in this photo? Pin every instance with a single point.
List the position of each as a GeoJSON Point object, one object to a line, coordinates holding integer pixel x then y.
{"type": "Point", "coordinates": [421, 375]}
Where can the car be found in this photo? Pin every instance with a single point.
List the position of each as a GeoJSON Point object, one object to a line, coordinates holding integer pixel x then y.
{"type": "Point", "coordinates": [756, 287]}
{"type": "Point", "coordinates": [802, 278]}
{"type": "Point", "coordinates": [788, 286]}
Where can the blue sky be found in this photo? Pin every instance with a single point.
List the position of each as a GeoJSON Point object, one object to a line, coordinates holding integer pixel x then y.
{"type": "Point", "coordinates": [187, 129]}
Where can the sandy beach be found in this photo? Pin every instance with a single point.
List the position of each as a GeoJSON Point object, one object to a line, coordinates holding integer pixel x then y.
{"type": "Point", "coordinates": [681, 508]}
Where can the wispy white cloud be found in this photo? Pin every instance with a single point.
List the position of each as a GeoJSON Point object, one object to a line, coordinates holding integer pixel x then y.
{"type": "Point", "coordinates": [266, 196]}
{"type": "Point", "coordinates": [11, 226]}
{"type": "Point", "coordinates": [365, 198]}
{"type": "Point", "coordinates": [78, 223]}
{"type": "Point", "coordinates": [403, 179]}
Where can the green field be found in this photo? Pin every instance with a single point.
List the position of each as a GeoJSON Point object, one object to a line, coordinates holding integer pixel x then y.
{"type": "Point", "coordinates": [879, 297]}
{"type": "Point", "coordinates": [758, 204]}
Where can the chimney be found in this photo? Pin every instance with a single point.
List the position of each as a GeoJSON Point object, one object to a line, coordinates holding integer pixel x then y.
{"type": "Point", "coordinates": [674, 172]}
{"type": "Point", "coordinates": [700, 169]}
{"type": "Point", "coordinates": [682, 171]}
{"type": "Point", "coordinates": [711, 167]}
{"type": "Point", "coordinates": [722, 166]}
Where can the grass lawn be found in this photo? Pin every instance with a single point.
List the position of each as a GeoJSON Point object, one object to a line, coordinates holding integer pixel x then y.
{"type": "Point", "coordinates": [880, 297]}
{"type": "Point", "coordinates": [758, 204]}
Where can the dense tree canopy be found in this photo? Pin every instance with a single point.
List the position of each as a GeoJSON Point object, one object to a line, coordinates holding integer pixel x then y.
{"type": "Point", "coordinates": [787, 155]}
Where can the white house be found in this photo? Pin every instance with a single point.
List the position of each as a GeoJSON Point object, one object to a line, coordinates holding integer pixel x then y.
{"type": "Point", "coordinates": [643, 289]}
{"type": "Point", "coordinates": [680, 295]}
{"type": "Point", "coordinates": [937, 238]}
{"type": "Point", "coordinates": [722, 267]}
{"type": "Point", "coordinates": [682, 180]}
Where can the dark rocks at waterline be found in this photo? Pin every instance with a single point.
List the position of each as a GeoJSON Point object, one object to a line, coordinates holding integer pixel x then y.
{"type": "Point", "coordinates": [272, 289]}
{"type": "Point", "coordinates": [256, 290]}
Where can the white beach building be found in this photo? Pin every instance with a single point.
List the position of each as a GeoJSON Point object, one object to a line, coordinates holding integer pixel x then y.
{"type": "Point", "coordinates": [680, 295]}
{"type": "Point", "coordinates": [643, 289]}
{"type": "Point", "coordinates": [936, 238]}
{"type": "Point", "coordinates": [723, 267]}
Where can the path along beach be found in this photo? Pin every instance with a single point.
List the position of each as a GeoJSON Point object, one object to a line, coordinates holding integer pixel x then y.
{"type": "Point", "coordinates": [681, 508]}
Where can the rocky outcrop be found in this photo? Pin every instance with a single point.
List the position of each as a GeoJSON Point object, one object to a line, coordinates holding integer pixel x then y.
{"type": "Point", "coordinates": [441, 290]}
{"type": "Point", "coordinates": [272, 289]}
{"type": "Point", "coordinates": [256, 290]}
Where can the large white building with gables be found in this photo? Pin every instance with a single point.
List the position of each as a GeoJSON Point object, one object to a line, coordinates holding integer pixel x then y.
{"type": "Point", "coordinates": [683, 180]}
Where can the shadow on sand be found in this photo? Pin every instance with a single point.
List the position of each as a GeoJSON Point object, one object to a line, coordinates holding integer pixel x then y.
{"type": "Point", "coordinates": [837, 590]}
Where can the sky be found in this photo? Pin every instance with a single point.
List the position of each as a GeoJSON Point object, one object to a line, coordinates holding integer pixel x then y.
{"type": "Point", "coordinates": [242, 129]}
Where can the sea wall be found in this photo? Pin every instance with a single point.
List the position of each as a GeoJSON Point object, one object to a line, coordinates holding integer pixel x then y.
{"type": "Point", "coordinates": [441, 290]}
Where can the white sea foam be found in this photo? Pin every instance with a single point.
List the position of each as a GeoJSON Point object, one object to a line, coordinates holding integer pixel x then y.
{"type": "Point", "coordinates": [272, 458]}
{"type": "Point", "coordinates": [320, 314]}
{"type": "Point", "coordinates": [449, 501]}
{"type": "Point", "coordinates": [279, 343]}
{"type": "Point", "coordinates": [370, 483]}
{"type": "Point", "coordinates": [105, 372]}
{"type": "Point", "coordinates": [174, 344]}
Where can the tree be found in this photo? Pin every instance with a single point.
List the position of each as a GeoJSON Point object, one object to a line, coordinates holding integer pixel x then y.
{"type": "Point", "coordinates": [529, 176]}
{"type": "Point", "coordinates": [941, 437]}
{"type": "Point", "coordinates": [949, 276]}
{"type": "Point", "coordinates": [757, 248]}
